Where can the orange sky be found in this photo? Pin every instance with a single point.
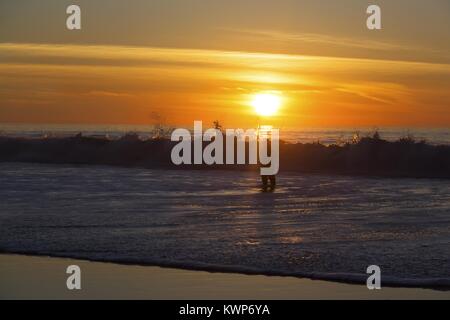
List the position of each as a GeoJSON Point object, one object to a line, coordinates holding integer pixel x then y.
{"type": "Point", "coordinates": [341, 80]}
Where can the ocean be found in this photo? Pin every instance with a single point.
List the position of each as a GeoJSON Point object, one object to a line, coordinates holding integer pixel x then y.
{"type": "Point", "coordinates": [316, 226]}
{"type": "Point", "coordinates": [323, 135]}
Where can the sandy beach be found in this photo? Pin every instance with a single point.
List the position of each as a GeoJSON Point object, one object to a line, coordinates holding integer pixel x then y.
{"type": "Point", "coordinates": [30, 277]}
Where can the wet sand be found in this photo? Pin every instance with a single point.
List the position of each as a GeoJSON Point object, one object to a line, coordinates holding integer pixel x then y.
{"type": "Point", "coordinates": [30, 277]}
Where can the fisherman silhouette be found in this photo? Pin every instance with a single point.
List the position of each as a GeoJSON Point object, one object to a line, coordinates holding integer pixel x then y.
{"type": "Point", "coordinates": [268, 181]}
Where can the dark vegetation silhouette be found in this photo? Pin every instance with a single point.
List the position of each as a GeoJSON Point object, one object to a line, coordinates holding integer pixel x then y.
{"type": "Point", "coordinates": [372, 155]}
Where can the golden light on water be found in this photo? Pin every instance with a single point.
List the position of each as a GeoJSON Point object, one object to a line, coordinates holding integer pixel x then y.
{"type": "Point", "coordinates": [266, 104]}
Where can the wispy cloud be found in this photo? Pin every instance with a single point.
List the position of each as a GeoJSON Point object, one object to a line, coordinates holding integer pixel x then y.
{"type": "Point", "coordinates": [384, 93]}
{"type": "Point", "coordinates": [321, 39]}
{"type": "Point", "coordinates": [126, 56]}
{"type": "Point", "coordinates": [112, 94]}
{"type": "Point", "coordinates": [332, 41]}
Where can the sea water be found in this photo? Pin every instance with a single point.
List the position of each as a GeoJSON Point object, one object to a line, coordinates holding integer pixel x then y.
{"type": "Point", "coordinates": [304, 135]}
{"type": "Point", "coordinates": [318, 226]}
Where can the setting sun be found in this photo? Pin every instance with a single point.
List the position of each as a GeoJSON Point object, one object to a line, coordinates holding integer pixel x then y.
{"type": "Point", "coordinates": [266, 104]}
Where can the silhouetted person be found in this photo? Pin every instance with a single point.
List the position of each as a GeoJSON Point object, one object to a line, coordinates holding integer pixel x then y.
{"type": "Point", "coordinates": [269, 182]}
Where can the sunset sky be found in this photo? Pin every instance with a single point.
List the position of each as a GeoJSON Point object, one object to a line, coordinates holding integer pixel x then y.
{"type": "Point", "coordinates": [204, 60]}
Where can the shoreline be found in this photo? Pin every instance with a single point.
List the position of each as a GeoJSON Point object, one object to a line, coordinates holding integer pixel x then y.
{"type": "Point", "coordinates": [21, 277]}
{"type": "Point", "coordinates": [341, 278]}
